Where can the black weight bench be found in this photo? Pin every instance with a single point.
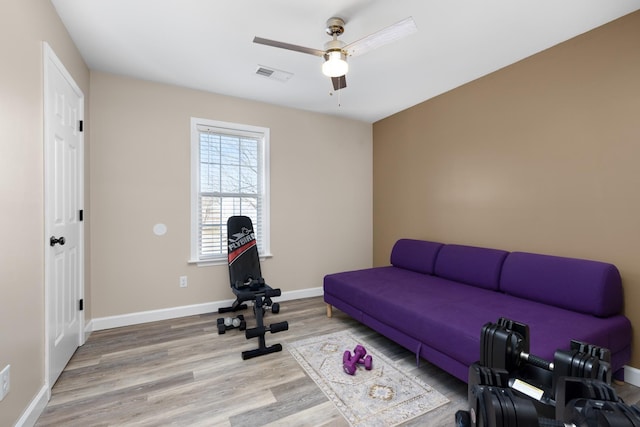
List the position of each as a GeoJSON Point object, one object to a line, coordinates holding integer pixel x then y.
{"type": "Point", "coordinates": [248, 284]}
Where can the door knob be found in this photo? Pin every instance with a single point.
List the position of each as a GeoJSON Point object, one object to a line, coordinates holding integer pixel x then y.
{"type": "Point", "coordinates": [53, 241]}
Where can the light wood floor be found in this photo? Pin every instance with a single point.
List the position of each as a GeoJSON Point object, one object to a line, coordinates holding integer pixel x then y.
{"type": "Point", "coordinates": [181, 372]}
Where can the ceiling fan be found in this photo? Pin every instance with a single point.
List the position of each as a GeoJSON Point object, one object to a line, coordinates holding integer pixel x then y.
{"type": "Point", "coordinates": [336, 51]}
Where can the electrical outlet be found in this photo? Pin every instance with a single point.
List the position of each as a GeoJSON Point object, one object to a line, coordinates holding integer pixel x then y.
{"type": "Point", "coordinates": [5, 381]}
{"type": "Point", "coordinates": [183, 281]}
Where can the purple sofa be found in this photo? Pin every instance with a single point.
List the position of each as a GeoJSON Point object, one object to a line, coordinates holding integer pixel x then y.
{"type": "Point", "coordinates": [434, 299]}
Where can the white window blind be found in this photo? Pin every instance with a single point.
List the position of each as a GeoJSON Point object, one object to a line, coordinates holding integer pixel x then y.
{"type": "Point", "coordinates": [229, 177]}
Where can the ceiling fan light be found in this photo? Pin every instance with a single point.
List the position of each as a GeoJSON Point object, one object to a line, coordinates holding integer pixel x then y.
{"type": "Point", "coordinates": [335, 65]}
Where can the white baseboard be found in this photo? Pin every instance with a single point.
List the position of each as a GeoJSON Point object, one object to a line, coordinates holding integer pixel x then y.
{"type": "Point", "coordinates": [35, 408]}
{"type": "Point", "coordinates": [304, 293]}
{"type": "Point", "coordinates": [632, 375]}
{"type": "Point", "coordinates": [109, 322]}
{"type": "Point", "coordinates": [88, 328]}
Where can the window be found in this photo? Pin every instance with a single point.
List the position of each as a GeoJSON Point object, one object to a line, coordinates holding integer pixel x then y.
{"type": "Point", "coordinates": [229, 176]}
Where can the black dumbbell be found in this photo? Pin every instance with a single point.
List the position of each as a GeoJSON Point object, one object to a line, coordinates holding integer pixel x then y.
{"type": "Point", "coordinates": [505, 345]}
{"type": "Point", "coordinates": [226, 323]}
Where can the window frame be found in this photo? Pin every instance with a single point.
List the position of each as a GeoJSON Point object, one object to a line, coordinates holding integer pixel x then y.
{"type": "Point", "coordinates": [263, 168]}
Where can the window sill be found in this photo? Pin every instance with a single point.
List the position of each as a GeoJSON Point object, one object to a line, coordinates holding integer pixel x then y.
{"type": "Point", "coordinates": [219, 261]}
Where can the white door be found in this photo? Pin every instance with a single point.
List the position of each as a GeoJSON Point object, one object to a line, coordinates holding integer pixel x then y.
{"type": "Point", "coordinates": [64, 232]}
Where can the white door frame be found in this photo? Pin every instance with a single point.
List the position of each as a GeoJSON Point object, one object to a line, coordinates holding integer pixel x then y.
{"type": "Point", "coordinates": [51, 60]}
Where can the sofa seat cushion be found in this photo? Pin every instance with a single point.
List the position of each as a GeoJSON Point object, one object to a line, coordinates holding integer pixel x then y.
{"type": "Point", "coordinates": [449, 315]}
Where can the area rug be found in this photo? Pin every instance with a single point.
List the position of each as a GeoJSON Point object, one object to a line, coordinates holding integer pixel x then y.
{"type": "Point", "coordinates": [382, 396]}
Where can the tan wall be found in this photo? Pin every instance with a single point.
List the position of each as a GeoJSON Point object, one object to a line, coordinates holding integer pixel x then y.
{"type": "Point", "coordinates": [541, 156]}
{"type": "Point", "coordinates": [321, 196]}
{"type": "Point", "coordinates": [23, 26]}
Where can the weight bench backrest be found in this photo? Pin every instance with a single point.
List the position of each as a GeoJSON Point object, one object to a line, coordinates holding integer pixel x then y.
{"type": "Point", "coordinates": [243, 258]}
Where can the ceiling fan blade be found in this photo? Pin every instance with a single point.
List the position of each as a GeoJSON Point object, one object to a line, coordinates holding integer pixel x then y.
{"type": "Point", "coordinates": [288, 46]}
{"type": "Point", "coordinates": [339, 82]}
{"type": "Point", "coordinates": [380, 38]}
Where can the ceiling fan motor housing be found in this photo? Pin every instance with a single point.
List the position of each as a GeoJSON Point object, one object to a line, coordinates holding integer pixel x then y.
{"type": "Point", "coordinates": [335, 26]}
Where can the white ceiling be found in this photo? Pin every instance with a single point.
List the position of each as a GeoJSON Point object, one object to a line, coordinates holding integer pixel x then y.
{"type": "Point", "coordinates": [207, 44]}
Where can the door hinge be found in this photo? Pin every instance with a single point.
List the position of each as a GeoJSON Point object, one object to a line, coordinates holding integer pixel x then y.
{"type": "Point", "coordinates": [81, 215]}
{"type": "Point", "coordinates": [81, 126]}
{"type": "Point", "coordinates": [81, 305]}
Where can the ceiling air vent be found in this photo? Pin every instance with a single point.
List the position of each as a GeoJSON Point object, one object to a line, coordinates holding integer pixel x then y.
{"type": "Point", "coordinates": [273, 74]}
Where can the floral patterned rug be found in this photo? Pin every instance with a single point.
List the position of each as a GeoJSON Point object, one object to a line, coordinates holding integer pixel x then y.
{"type": "Point", "coordinates": [382, 396]}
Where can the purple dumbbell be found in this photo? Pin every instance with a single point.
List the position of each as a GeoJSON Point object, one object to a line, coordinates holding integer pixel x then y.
{"type": "Point", "coordinates": [350, 361]}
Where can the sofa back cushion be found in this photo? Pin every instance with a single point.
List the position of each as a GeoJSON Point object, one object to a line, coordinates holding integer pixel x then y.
{"type": "Point", "coordinates": [471, 265]}
{"type": "Point", "coordinates": [590, 287]}
{"type": "Point", "coordinates": [415, 255]}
